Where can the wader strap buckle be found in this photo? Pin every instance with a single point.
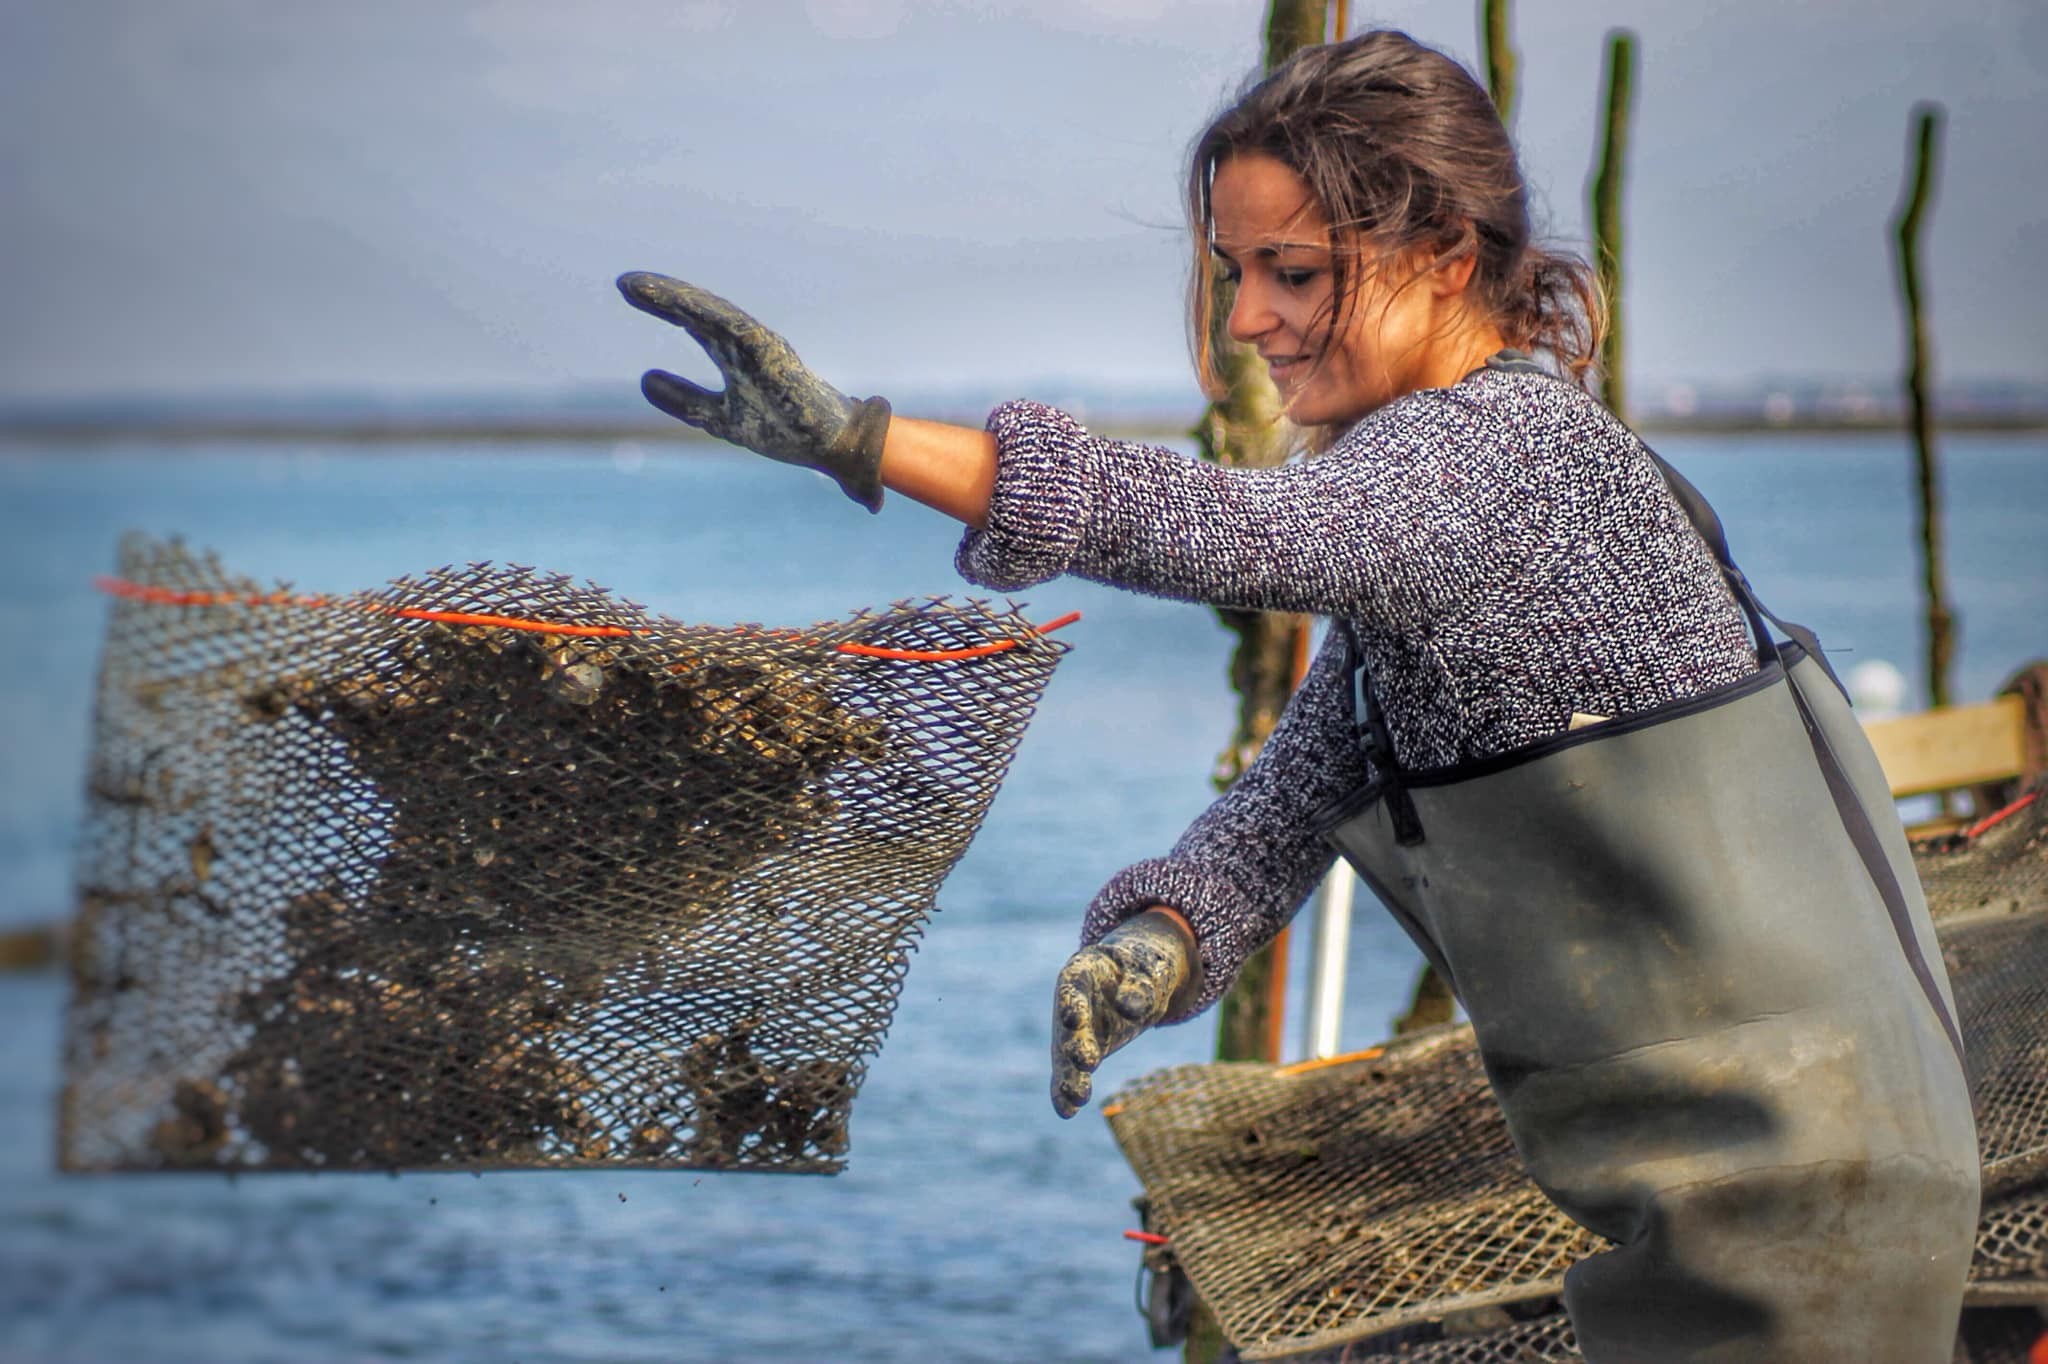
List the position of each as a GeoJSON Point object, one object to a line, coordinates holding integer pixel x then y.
{"type": "Point", "coordinates": [1377, 744]}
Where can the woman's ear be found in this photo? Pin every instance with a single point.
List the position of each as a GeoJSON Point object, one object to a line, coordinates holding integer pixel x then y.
{"type": "Point", "coordinates": [1451, 273]}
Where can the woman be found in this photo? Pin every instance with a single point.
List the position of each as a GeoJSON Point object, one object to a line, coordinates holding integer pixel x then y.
{"type": "Point", "coordinates": [1649, 852]}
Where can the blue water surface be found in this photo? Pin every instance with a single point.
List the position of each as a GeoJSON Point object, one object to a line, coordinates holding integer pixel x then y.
{"type": "Point", "coordinates": [972, 1223]}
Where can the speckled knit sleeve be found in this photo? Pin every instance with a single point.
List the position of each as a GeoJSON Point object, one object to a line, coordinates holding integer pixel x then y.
{"type": "Point", "coordinates": [1505, 549]}
{"type": "Point", "coordinates": [1249, 861]}
{"type": "Point", "coordinates": [1315, 536]}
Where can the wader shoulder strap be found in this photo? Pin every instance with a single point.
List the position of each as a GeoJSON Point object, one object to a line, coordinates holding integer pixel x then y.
{"type": "Point", "coordinates": [1708, 523]}
{"type": "Point", "coordinates": [1388, 783]}
{"type": "Point", "coordinates": [1704, 520]}
{"type": "Point", "coordinates": [1856, 821]}
{"type": "Point", "coordinates": [1863, 836]}
{"type": "Point", "coordinates": [1376, 742]}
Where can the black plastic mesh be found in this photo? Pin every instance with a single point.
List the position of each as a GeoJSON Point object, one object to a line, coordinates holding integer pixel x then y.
{"type": "Point", "coordinates": [360, 890]}
{"type": "Point", "coordinates": [1312, 1206]}
{"type": "Point", "coordinates": [1991, 891]}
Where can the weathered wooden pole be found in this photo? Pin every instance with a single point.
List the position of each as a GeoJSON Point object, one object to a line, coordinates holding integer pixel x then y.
{"type": "Point", "coordinates": [1244, 429]}
{"type": "Point", "coordinates": [1499, 55]}
{"type": "Point", "coordinates": [1606, 196]}
{"type": "Point", "coordinates": [1292, 25]}
{"type": "Point", "coordinates": [1906, 246]}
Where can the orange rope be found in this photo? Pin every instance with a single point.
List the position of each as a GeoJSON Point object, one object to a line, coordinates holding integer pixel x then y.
{"type": "Point", "coordinates": [164, 596]}
{"type": "Point", "coordinates": [1323, 1062]}
{"type": "Point", "coordinates": [940, 655]}
{"type": "Point", "coordinates": [1981, 825]}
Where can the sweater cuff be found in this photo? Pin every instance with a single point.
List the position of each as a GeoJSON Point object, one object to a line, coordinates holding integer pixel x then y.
{"type": "Point", "coordinates": [1217, 911]}
{"type": "Point", "coordinates": [1038, 512]}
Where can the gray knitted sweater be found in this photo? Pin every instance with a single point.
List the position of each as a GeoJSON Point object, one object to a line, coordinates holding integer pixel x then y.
{"type": "Point", "coordinates": [1505, 548]}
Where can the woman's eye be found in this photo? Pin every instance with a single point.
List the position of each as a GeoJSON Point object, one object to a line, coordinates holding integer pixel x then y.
{"type": "Point", "coordinates": [1295, 279]}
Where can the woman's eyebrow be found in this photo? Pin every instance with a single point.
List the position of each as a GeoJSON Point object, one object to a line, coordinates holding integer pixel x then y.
{"type": "Point", "coordinates": [1270, 248]}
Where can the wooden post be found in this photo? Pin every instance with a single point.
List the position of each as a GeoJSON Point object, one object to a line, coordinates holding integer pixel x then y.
{"type": "Point", "coordinates": [1607, 187]}
{"type": "Point", "coordinates": [1499, 56]}
{"type": "Point", "coordinates": [1292, 25]}
{"type": "Point", "coordinates": [1906, 244]}
{"type": "Point", "coordinates": [31, 947]}
{"type": "Point", "coordinates": [1243, 429]}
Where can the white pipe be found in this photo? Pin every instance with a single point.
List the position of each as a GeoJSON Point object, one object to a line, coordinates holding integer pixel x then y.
{"type": "Point", "coordinates": [1329, 950]}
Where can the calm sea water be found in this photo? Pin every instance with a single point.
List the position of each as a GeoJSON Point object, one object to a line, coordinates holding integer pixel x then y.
{"type": "Point", "coordinates": [972, 1224]}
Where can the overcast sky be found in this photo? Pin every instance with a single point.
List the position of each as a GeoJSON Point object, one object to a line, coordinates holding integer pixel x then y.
{"type": "Point", "coordinates": [254, 196]}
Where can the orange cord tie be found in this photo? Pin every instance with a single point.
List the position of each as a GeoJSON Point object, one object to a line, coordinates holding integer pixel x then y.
{"type": "Point", "coordinates": [164, 596]}
{"type": "Point", "coordinates": [1981, 825]}
{"type": "Point", "coordinates": [1324, 1062]}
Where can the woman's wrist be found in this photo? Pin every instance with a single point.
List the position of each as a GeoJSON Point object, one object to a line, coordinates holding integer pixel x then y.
{"type": "Point", "coordinates": [1190, 988]}
{"type": "Point", "coordinates": [1175, 917]}
{"type": "Point", "coordinates": [951, 469]}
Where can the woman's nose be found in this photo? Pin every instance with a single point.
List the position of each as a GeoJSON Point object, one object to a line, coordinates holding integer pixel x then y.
{"type": "Point", "coordinates": [1251, 317]}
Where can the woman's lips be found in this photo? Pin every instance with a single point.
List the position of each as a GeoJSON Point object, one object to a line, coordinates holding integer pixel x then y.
{"type": "Point", "coordinates": [1285, 367]}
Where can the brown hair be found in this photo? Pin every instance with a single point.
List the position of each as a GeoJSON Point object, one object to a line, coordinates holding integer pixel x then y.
{"type": "Point", "coordinates": [1407, 156]}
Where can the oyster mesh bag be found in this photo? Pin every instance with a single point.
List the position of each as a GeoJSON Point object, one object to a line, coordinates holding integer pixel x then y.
{"type": "Point", "coordinates": [1317, 1207]}
{"type": "Point", "coordinates": [488, 869]}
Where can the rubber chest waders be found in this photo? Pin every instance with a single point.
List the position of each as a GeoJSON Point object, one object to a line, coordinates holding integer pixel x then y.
{"type": "Point", "coordinates": [1710, 1002]}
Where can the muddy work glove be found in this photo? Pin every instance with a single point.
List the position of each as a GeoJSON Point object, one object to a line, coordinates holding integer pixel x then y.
{"type": "Point", "coordinates": [771, 403]}
{"type": "Point", "coordinates": [1139, 972]}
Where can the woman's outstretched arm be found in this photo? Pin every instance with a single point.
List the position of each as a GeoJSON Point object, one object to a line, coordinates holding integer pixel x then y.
{"type": "Point", "coordinates": [1436, 483]}
{"type": "Point", "coordinates": [1247, 863]}
{"type": "Point", "coordinates": [1165, 937]}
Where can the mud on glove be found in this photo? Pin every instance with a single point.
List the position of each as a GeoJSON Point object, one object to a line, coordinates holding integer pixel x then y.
{"type": "Point", "coordinates": [1138, 973]}
{"type": "Point", "coordinates": [771, 403]}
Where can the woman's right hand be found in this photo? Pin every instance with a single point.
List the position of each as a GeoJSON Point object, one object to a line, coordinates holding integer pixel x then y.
{"type": "Point", "coordinates": [1138, 973]}
{"type": "Point", "coordinates": [772, 403]}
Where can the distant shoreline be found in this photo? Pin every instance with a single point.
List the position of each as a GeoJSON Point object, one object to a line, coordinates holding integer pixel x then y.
{"type": "Point", "coordinates": [526, 431]}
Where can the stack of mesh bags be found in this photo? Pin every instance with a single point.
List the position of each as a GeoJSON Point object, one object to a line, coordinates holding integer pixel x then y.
{"type": "Point", "coordinates": [1373, 1207]}
{"type": "Point", "coordinates": [489, 869]}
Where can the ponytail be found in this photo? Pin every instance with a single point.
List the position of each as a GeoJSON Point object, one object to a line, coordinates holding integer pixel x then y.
{"type": "Point", "coordinates": [1555, 306]}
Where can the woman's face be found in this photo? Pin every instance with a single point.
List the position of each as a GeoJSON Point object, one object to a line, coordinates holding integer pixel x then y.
{"type": "Point", "coordinates": [1274, 240]}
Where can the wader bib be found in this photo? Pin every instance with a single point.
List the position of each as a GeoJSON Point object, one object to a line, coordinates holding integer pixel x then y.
{"type": "Point", "coordinates": [1709, 999]}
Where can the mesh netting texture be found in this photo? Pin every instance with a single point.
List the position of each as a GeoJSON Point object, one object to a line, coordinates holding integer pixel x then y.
{"type": "Point", "coordinates": [1986, 1335]}
{"type": "Point", "coordinates": [362, 888]}
{"type": "Point", "coordinates": [1544, 1339]}
{"type": "Point", "coordinates": [1319, 1205]}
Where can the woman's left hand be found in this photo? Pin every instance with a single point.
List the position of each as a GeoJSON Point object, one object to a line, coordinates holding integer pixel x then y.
{"type": "Point", "coordinates": [1108, 993]}
{"type": "Point", "coordinates": [772, 403]}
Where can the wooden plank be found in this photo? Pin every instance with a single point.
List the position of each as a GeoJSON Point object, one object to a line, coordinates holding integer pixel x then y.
{"type": "Point", "coordinates": [1940, 750]}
